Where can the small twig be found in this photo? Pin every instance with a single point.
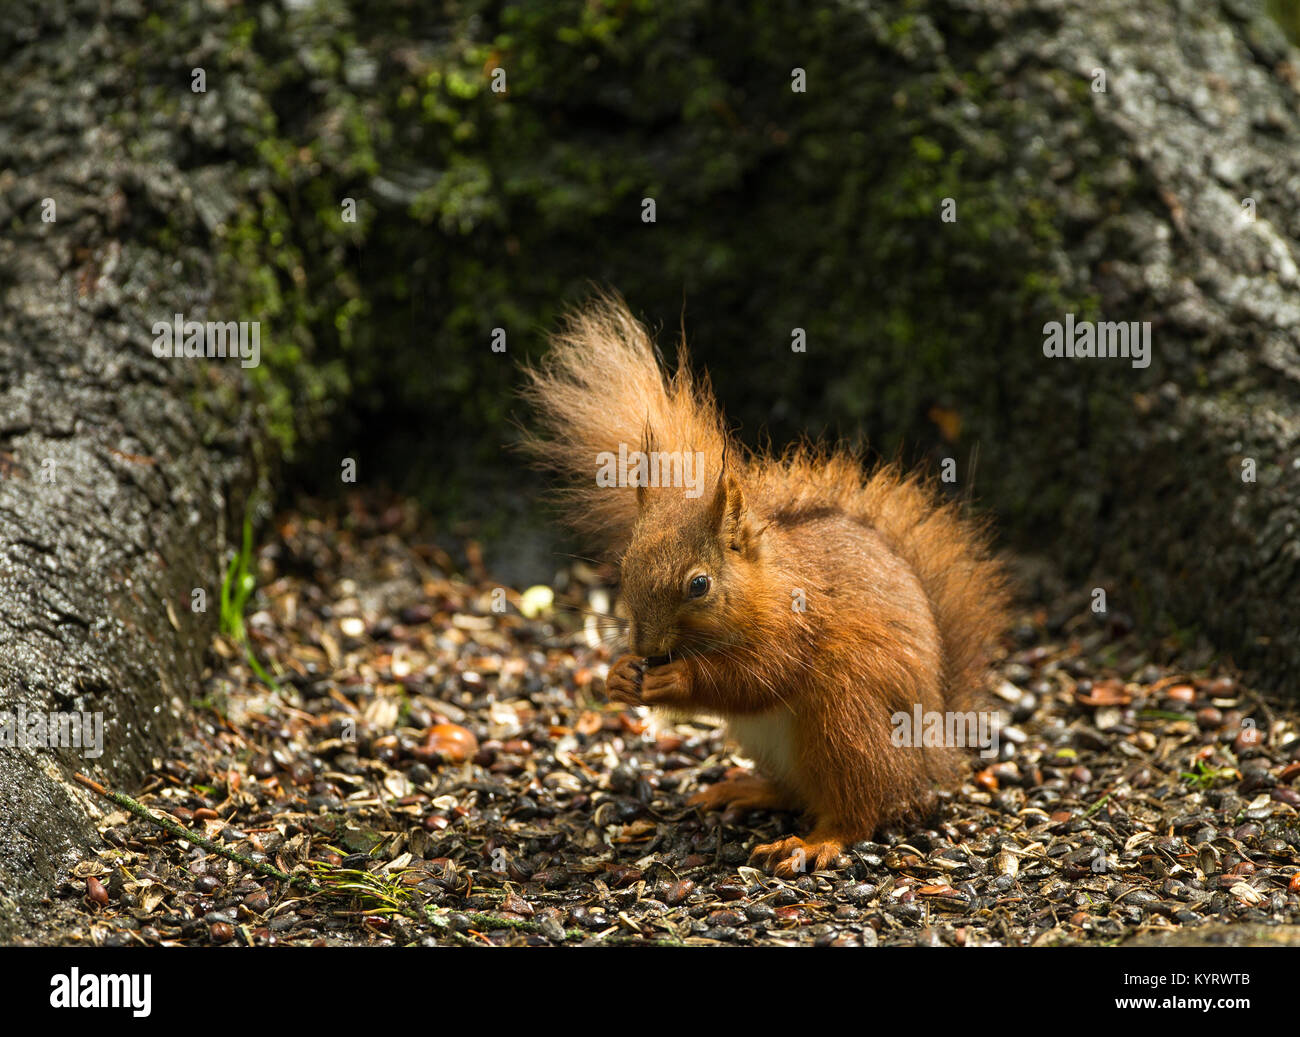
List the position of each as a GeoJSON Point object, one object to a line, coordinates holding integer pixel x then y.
{"type": "Point", "coordinates": [435, 915]}
{"type": "Point", "coordinates": [1098, 805]}
{"type": "Point", "coordinates": [181, 832]}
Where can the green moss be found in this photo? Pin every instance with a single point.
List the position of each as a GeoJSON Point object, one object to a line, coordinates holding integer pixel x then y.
{"type": "Point", "coordinates": [1287, 14]}
{"type": "Point", "coordinates": [479, 210]}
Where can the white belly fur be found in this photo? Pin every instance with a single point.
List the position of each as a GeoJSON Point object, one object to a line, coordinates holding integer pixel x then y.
{"type": "Point", "coordinates": [768, 740]}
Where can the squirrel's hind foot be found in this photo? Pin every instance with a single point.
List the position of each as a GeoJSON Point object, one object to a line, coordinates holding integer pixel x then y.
{"type": "Point", "coordinates": [793, 856]}
{"type": "Point", "coordinates": [740, 792]}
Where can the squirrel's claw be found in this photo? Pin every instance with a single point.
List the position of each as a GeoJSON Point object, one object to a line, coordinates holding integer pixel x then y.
{"type": "Point", "coordinates": [666, 685]}
{"type": "Point", "coordinates": [624, 681]}
{"type": "Point", "coordinates": [793, 856]}
{"type": "Point", "coordinates": [633, 682]}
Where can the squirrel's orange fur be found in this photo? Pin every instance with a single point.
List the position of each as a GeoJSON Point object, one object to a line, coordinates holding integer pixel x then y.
{"type": "Point", "coordinates": [901, 596]}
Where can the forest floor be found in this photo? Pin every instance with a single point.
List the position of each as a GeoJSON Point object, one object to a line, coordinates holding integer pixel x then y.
{"type": "Point", "coordinates": [446, 772]}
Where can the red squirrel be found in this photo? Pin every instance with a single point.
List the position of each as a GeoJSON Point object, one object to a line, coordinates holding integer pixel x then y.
{"type": "Point", "coordinates": [802, 599]}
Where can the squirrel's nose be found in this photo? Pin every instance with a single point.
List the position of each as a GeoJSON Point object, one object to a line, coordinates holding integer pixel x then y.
{"type": "Point", "coordinates": [648, 642]}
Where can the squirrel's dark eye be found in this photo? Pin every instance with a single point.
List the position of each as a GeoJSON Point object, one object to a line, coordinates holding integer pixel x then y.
{"type": "Point", "coordinates": [698, 587]}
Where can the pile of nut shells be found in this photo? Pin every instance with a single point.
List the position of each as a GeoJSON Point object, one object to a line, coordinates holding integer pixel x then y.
{"type": "Point", "coordinates": [435, 763]}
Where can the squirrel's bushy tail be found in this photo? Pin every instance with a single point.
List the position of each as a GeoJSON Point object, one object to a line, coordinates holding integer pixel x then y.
{"type": "Point", "coordinates": [600, 386]}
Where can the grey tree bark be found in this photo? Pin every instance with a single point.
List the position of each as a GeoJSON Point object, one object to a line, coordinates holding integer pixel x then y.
{"type": "Point", "coordinates": [113, 464]}
{"type": "Point", "coordinates": [1191, 474]}
{"type": "Point", "coordinates": [1150, 155]}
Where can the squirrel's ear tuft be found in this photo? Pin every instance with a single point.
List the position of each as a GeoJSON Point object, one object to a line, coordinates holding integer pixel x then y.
{"type": "Point", "coordinates": [649, 446]}
{"type": "Point", "coordinates": [729, 515]}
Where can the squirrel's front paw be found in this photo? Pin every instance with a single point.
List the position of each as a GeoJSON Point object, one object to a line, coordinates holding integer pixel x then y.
{"type": "Point", "coordinates": [625, 680]}
{"type": "Point", "coordinates": [667, 685]}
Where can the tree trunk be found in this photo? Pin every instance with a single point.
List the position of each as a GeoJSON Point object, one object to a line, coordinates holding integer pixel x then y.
{"type": "Point", "coordinates": [112, 462]}
{"type": "Point", "coordinates": [1176, 189]}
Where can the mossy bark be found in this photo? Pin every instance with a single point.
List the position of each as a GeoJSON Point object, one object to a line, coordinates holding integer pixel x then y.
{"type": "Point", "coordinates": [114, 465]}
